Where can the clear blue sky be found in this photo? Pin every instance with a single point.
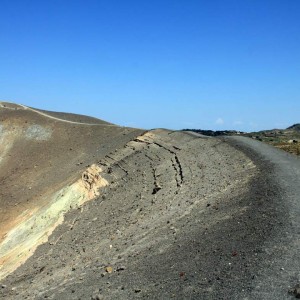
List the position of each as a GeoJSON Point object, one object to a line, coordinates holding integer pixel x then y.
{"type": "Point", "coordinates": [214, 64]}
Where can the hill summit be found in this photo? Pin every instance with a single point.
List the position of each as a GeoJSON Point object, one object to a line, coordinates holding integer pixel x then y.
{"type": "Point", "coordinates": [295, 127]}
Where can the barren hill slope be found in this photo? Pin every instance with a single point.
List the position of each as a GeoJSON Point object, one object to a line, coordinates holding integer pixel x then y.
{"type": "Point", "coordinates": [121, 213]}
{"type": "Point", "coordinates": [40, 156]}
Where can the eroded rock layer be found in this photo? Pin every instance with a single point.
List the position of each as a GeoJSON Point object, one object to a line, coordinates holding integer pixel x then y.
{"type": "Point", "coordinates": [153, 193]}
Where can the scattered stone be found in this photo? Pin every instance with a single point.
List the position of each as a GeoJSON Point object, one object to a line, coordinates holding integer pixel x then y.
{"type": "Point", "coordinates": [97, 297]}
{"type": "Point", "coordinates": [42, 269]}
{"type": "Point", "coordinates": [121, 268]}
{"type": "Point", "coordinates": [234, 253]}
{"type": "Point", "coordinates": [292, 141]}
{"type": "Point", "coordinates": [109, 269]}
{"type": "Point", "coordinates": [156, 189]}
{"type": "Point", "coordinates": [296, 291]}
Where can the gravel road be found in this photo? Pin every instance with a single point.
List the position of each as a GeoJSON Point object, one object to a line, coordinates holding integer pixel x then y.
{"type": "Point", "coordinates": [280, 270]}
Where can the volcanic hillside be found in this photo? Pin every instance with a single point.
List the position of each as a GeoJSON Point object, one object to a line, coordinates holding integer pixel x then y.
{"type": "Point", "coordinates": [91, 210]}
{"type": "Point", "coordinates": [42, 157]}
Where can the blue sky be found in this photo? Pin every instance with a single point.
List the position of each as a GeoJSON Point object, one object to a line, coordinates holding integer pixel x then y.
{"type": "Point", "coordinates": [171, 63]}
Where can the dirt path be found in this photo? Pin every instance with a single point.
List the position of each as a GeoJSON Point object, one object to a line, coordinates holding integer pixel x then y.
{"type": "Point", "coordinates": [63, 120]}
{"type": "Point", "coordinates": [281, 254]}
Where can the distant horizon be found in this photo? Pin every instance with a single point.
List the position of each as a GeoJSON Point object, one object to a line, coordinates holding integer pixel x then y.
{"type": "Point", "coordinates": [186, 128]}
{"type": "Point", "coordinates": [213, 65]}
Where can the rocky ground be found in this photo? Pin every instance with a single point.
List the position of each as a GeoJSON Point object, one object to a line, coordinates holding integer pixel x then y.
{"type": "Point", "coordinates": [182, 217]}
